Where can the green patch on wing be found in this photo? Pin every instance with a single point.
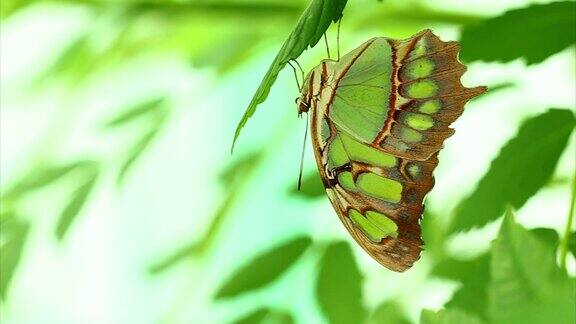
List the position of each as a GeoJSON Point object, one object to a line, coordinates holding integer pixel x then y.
{"type": "Point", "coordinates": [419, 121]}
{"type": "Point", "coordinates": [422, 89]}
{"type": "Point", "coordinates": [419, 68]}
{"type": "Point", "coordinates": [345, 148]}
{"type": "Point", "coordinates": [360, 105]}
{"type": "Point", "coordinates": [430, 106]}
{"type": "Point", "coordinates": [380, 187]}
{"type": "Point", "coordinates": [375, 225]}
{"type": "Point", "coordinates": [346, 181]}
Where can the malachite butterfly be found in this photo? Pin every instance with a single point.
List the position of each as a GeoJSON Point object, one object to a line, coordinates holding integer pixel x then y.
{"type": "Point", "coordinates": [378, 118]}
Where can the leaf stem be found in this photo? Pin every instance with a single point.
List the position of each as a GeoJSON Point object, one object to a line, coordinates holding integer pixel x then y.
{"type": "Point", "coordinates": [569, 222]}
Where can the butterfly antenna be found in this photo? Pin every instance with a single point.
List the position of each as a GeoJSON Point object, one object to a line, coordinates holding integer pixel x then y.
{"type": "Point", "coordinates": [302, 156]}
{"type": "Point", "coordinates": [296, 75]}
{"type": "Point", "coordinates": [338, 39]}
{"type": "Point", "coordinates": [326, 42]}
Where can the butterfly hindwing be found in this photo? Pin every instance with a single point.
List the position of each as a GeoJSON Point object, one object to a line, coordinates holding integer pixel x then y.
{"type": "Point", "coordinates": [379, 118]}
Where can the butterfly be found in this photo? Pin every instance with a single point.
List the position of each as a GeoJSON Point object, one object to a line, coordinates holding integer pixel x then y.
{"type": "Point", "coordinates": [378, 118]}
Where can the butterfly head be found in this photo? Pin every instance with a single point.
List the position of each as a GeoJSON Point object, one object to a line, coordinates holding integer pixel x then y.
{"type": "Point", "coordinates": [303, 106]}
{"type": "Point", "coordinates": [304, 101]}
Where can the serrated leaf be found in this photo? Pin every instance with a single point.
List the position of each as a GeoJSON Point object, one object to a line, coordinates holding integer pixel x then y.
{"type": "Point", "coordinates": [473, 274]}
{"type": "Point", "coordinates": [524, 165]}
{"type": "Point", "coordinates": [135, 112]}
{"type": "Point", "coordinates": [44, 176]}
{"type": "Point", "coordinates": [264, 269]}
{"type": "Point", "coordinates": [13, 234]}
{"type": "Point", "coordinates": [77, 201]}
{"type": "Point", "coordinates": [388, 312]}
{"type": "Point", "coordinates": [310, 27]}
{"type": "Point", "coordinates": [311, 187]}
{"type": "Point", "coordinates": [266, 316]}
{"type": "Point", "coordinates": [533, 33]}
{"type": "Point", "coordinates": [526, 285]}
{"type": "Point", "coordinates": [472, 296]}
{"type": "Point", "coordinates": [448, 316]}
{"type": "Point", "coordinates": [339, 286]}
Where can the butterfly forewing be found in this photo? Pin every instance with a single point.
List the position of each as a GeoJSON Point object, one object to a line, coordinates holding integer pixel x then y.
{"type": "Point", "coordinates": [379, 118]}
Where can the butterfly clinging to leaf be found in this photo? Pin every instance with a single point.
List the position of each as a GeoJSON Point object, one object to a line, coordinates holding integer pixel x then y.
{"type": "Point", "coordinates": [378, 118]}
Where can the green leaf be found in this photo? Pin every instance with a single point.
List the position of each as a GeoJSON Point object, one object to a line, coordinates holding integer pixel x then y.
{"type": "Point", "coordinates": [267, 316]}
{"type": "Point", "coordinates": [572, 243]}
{"type": "Point", "coordinates": [434, 234]}
{"type": "Point", "coordinates": [264, 269]}
{"type": "Point", "coordinates": [310, 27]}
{"type": "Point", "coordinates": [388, 312]}
{"type": "Point", "coordinates": [339, 286]}
{"type": "Point", "coordinates": [235, 178]}
{"type": "Point", "coordinates": [137, 150]}
{"type": "Point", "coordinates": [547, 236]}
{"type": "Point", "coordinates": [42, 177]}
{"type": "Point", "coordinates": [448, 316]}
{"type": "Point", "coordinates": [472, 296]}
{"type": "Point", "coordinates": [13, 236]}
{"type": "Point", "coordinates": [533, 33]}
{"type": "Point", "coordinates": [527, 286]}
{"type": "Point", "coordinates": [73, 64]}
{"type": "Point", "coordinates": [524, 165]}
{"type": "Point", "coordinates": [238, 168]}
{"type": "Point", "coordinates": [145, 108]}
{"type": "Point", "coordinates": [473, 274]}
{"type": "Point", "coordinates": [228, 52]}
{"type": "Point", "coordinates": [77, 201]}
{"type": "Point", "coordinates": [311, 188]}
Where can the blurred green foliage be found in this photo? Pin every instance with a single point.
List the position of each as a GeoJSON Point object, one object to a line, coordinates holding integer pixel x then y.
{"type": "Point", "coordinates": [264, 269]}
{"type": "Point", "coordinates": [533, 33]}
{"type": "Point", "coordinates": [540, 140]}
{"type": "Point", "coordinates": [526, 274]}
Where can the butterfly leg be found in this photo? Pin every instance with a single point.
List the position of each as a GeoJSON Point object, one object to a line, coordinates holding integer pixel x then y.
{"type": "Point", "coordinates": [327, 48]}
{"type": "Point", "coordinates": [295, 75]}
{"type": "Point", "coordinates": [338, 40]}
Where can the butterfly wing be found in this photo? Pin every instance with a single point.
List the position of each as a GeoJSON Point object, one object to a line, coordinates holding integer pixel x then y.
{"type": "Point", "coordinates": [381, 115]}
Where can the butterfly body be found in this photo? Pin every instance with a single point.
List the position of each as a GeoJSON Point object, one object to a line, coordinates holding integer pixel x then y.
{"type": "Point", "coordinates": [379, 116]}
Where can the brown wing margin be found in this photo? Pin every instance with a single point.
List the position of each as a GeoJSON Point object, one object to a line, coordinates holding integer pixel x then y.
{"type": "Point", "coordinates": [395, 253]}
{"type": "Point", "coordinates": [399, 253]}
{"type": "Point", "coordinates": [450, 96]}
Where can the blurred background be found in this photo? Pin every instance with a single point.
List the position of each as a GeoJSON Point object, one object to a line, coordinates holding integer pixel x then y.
{"type": "Point", "coordinates": [121, 202]}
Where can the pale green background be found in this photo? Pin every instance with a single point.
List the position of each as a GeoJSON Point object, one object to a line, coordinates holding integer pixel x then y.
{"type": "Point", "coordinates": [98, 274]}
